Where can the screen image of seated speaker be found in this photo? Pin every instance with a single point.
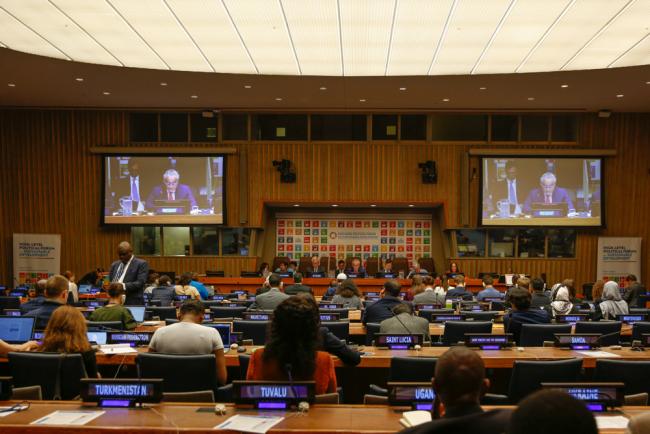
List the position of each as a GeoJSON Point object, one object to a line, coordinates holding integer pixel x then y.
{"type": "Point", "coordinates": [154, 189]}
{"type": "Point", "coordinates": [540, 191]}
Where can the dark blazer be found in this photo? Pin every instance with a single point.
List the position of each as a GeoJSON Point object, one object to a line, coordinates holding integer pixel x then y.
{"type": "Point", "coordinates": [472, 420]}
{"type": "Point", "coordinates": [134, 280]}
{"type": "Point", "coordinates": [159, 192]}
{"type": "Point", "coordinates": [460, 292]}
{"type": "Point", "coordinates": [380, 310]}
{"type": "Point", "coordinates": [32, 304]}
{"type": "Point", "coordinates": [513, 320]}
{"type": "Point", "coordinates": [537, 196]}
{"type": "Point", "coordinates": [44, 313]}
{"type": "Point", "coordinates": [296, 288]}
{"type": "Point", "coordinates": [335, 346]}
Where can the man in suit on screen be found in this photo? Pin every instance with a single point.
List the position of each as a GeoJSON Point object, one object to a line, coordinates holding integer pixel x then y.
{"type": "Point", "coordinates": [131, 272]}
{"type": "Point", "coordinates": [548, 193]}
{"type": "Point", "coordinates": [170, 190]}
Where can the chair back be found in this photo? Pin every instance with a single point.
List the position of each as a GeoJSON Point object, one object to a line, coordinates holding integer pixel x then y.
{"type": "Point", "coordinates": [58, 374]}
{"type": "Point", "coordinates": [303, 264]}
{"type": "Point", "coordinates": [180, 373]}
{"type": "Point", "coordinates": [455, 330]}
{"type": "Point", "coordinates": [488, 315]}
{"type": "Point", "coordinates": [610, 328]}
{"type": "Point", "coordinates": [427, 264]}
{"type": "Point", "coordinates": [372, 266]}
{"type": "Point", "coordinates": [98, 326]}
{"type": "Point", "coordinates": [640, 328]}
{"type": "Point", "coordinates": [227, 312]}
{"type": "Point", "coordinates": [428, 314]}
{"type": "Point", "coordinates": [255, 330]}
{"type": "Point", "coordinates": [340, 329]}
{"type": "Point", "coordinates": [412, 369]}
{"type": "Point", "coordinates": [534, 335]}
{"type": "Point", "coordinates": [401, 264]}
{"type": "Point", "coordinates": [162, 312]}
{"type": "Point", "coordinates": [277, 260]}
{"type": "Point", "coordinates": [371, 330]}
{"type": "Point", "coordinates": [635, 374]}
{"type": "Point", "coordinates": [527, 376]}
{"type": "Point", "coordinates": [343, 313]}
{"type": "Point", "coordinates": [9, 303]}
{"type": "Point", "coordinates": [244, 360]}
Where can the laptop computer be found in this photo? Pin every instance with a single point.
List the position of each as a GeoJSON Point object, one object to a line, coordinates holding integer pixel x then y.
{"type": "Point", "coordinates": [16, 329]}
{"type": "Point", "coordinates": [137, 312]}
{"type": "Point", "coordinates": [85, 289]}
{"type": "Point", "coordinates": [100, 338]}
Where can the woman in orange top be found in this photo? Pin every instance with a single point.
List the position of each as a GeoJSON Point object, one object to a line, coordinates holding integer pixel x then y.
{"type": "Point", "coordinates": [291, 348]}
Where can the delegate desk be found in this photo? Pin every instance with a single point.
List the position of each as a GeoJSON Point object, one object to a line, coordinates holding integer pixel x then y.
{"type": "Point", "coordinates": [194, 418]}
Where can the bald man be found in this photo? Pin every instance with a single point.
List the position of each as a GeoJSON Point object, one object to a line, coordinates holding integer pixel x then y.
{"type": "Point", "coordinates": [459, 383]}
{"type": "Point", "coordinates": [131, 272]}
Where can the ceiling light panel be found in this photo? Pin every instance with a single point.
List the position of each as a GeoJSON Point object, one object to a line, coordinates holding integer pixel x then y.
{"type": "Point", "coordinates": [59, 30]}
{"type": "Point", "coordinates": [106, 26]}
{"type": "Point", "coordinates": [17, 36]}
{"type": "Point", "coordinates": [157, 25]}
{"type": "Point", "coordinates": [264, 32]}
{"type": "Point", "coordinates": [208, 23]}
{"type": "Point", "coordinates": [639, 54]}
{"type": "Point", "coordinates": [621, 34]}
{"type": "Point", "coordinates": [471, 27]}
{"type": "Point", "coordinates": [418, 25]}
{"type": "Point", "coordinates": [366, 28]}
{"type": "Point", "coordinates": [580, 23]}
{"type": "Point", "coordinates": [524, 26]}
{"type": "Point", "coordinates": [315, 34]}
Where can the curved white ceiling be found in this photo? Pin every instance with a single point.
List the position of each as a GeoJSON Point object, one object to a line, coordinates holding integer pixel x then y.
{"type": "Point", "coordinates": [334, 37]}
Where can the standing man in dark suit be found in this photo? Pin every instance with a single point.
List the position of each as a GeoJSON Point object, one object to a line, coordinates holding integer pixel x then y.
{"type": "Point", "coordinates": [131, 272]}
{"type": "Point", "coordinates": [171, 190]}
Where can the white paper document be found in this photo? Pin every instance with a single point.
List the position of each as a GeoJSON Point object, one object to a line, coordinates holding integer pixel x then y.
{"type": "Point", "coordinates": [254, 424]}
{"type": "Point", "coordinates": [6, 411]}
{"type": "Point", "coordinates": [117, 349]}
{"type": "Point", "coordinates": [611, 422]}
{"type": "Point", "coordinates": [68, 418]}
{"type": "Point", "coordinates": [598, 354]}
{"type": "Point", "coordinates": [415, 417]}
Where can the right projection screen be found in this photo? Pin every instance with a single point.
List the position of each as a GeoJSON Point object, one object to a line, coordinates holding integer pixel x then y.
{"type": "Point", "coordinates": [540, 191]}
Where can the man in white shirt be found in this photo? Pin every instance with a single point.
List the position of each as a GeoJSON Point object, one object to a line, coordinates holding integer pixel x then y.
{"type": "Point", "coordinates": [188, 336]}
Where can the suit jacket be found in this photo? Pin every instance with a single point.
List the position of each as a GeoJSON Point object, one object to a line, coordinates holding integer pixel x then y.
{"type": "Point", "coordinates": [296, 288]}
{"type": "Point", "coordinates": [406, 323]}
{"type": "Point", "coordinates": [472, 420]}
{"type": "Point", "coordinates": [428, 297]}
{"type": "Point", "coordinates": [159, 192]}
{"type": "Point", "coordinates": [134, 280]}
{"type": "Point", "coordinates": [380, 309]}
{"type": "Point", "coordinates": [337, 347]}
{"type": "Point", "coordinates": [268, 300]}
{"type": "Point", "coordinates": [460, 292]}
{"type": "Point", "coordinates": [44, 313]}
{"type": "Point", "coordinates": [537, 196]}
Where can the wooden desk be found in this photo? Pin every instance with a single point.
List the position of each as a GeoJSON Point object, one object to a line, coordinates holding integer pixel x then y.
{"type": "Point", "coordinates": [178, 417]}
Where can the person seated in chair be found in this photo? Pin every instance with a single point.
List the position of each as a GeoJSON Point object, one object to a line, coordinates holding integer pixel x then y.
{"type": "Point", "coordinates": [56, 295]}
{"type": "Point", "coordinates": [459, 291]}
{"type": "Point", "coordinates": [489, 290]}
{"type": "Point", "coordinates": [114, 311]}
{"type": "Point", "coordinates": [383, 308]}
{"type": "Point", "coordinates": [297, 285]}
{"type": "Point", "coordinates": [164, 292]}
{"type": "Point", "coordinates": [348, 295]}
{"type": "Point", "coordinates": [188, 336]}
{"type": "Point", "coordinates": [459, 383]}
{"type": "Point", "coordinates": [522, 313]}
{"type": "Point", "coordinates": [404, 322]}
{"type": "Point", "coordinates": [356, 269]}
{"type": "Point", "coordinates": [37, 297]}
{"type": "Point", "coordinates": [315, 266]}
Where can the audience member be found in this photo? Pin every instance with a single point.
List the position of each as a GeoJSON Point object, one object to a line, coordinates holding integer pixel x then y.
{"type": "Point", "coordinates": [331, 289]}
{"type": "Point", "coordinates": [92, 278]}
{"type": "Point", "coordinates": [417, 287]}
{"type": "Point", "coordinates": [297, 285]}
{"type": "Point", "coordinates": [56, 295]}
{"type": "Point", "coordinates": [552, 411]}
{"type": "Point", "coordinates": [270, 299]}
{"type": "Point", "coordinates": [291, 351]}
{"type": "Point", "coordinates": [383, 308]}
{"type": "Point", "coordinates": [114, 311]}
{"type": "Point", "coordinates": [459, 291]}
{"type": "Point", "coordinates": [73, 290]}
{"type": "Point", "coordinates": [404, 322]}
{"type": "Point", "coordinates": [164, 292]}
{"type": "Point", "coordinates": [612, 304]}
{"type": "Point", "coordinates": [430, 294]}
{"type": "Point", "coordinates": [538, 299]}
{"type": "Point", "coordinates": [522, 313]}
{"type": "Point", "coordinates": [188, 336]}
{"type": "Point", "coordinates": [152, 282]}
{"type": "Point", "coordinates": [37, 298]}
{"type": "Point", "coordinates": [66, 333]}
{"type": "Point", "coordinates": [489, 291]}
{"type": "Point", "coordinates": [561, 304]}
{"type": "Point", "coordinates": [633, 291]}
{"type": "Point", "coordinates": [200, 287]}
{"type": "Point", "coordinates": [459, 384]}
{"type": "Point", "coordinates": [184, 287]}
{"type": "Point", "coordinates": [571, 287]}
{"type": "Point", "coordinates": [348, 295]}
{"type": "Point", "coordinates": [597, 293]}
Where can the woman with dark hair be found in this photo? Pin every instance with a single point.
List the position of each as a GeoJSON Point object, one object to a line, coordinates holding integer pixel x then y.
{"type": "Point", "coordinates": [291, 350]}
{"type": "Point", "coordinates": [348, 295]}
{"type": "Point", "coordinates": [264, 270]}
{"type": "Point", "coordinates": [164, 292]}
{"type": "Point", "coordinates": [184, 287]}
{"type": "Point", "coordinates": [66, 333]}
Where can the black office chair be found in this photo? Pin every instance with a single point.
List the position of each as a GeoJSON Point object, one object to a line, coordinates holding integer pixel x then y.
{"type": "Point", "coordinates": [428, 314]}
{"type": "Point", "coordinates": [534, 335]}
{"type": "Point", "coordinates": [488, 315]}
{"type": "Point", "coordinates": [371, 330]}
{"type": "Point", "coordinates": [343, 313]}
{"type": "Point", "coordinates": [340, 329]}
{"type": "Point", "coordinates": [58, 374]}
{"type": "Point", "coordinates": [227, 312]}
{"type": "Point", "coordinates": [455, 330]}
{"type": "Point", "coordinates": [163, 312]}
{"type": "Point", "coordinates": [180, 373]}
{"type": "Point", "coordinates": [498, 305]}
{"type": "Point", "coordinates": [255, 330]}
{"type": "Point", "coordinates": [9, 303]}
{"type": "Point", "coordinates": [640, 328]}
{"type": "Point", "coordinates": [101, 326]}
{"type": "Point", "coordinates": [635, 374]}
{"type": "Point", "coordinates": [610, 329]}
{"type": "Point", "coordinates": [639, 311]}
{"type": "Point", "coordinates": [209, 303]}
{"type": "Point", "coordinates": [407, 369]}
{"type": "Point", "coordinates": [244, 361]}
{"type": "Point", "coordinates": [527, 376]}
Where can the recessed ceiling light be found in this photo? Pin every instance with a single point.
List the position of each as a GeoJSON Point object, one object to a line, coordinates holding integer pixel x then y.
{"type": "Point", "coordinates": [362, 100]}
{"type": "Point", "coordinates": [334, 205]}
{"type": "Point", "coordinates": [402, 88]}
{"type": "Point", "coordinates": [564, 85]}
{"type": "Point", "coordinates": [162, 83]}
{"type": "Point", "coordinates": [322, 88]}
{"type": "Point", "coordinates": [278, 99]}
{"type": "Point", "coordinates": [411, 205]}
{"type": "Point", "coordinates": [106, 93]}
{"type": "Point", "coordinates": [482, 88]}
{"type": "Point", "coordinates": [373, 205]}
{"type": "Point", "coordinates": [11, 84]}
{"type": "Point", "coordinates": [620, 95]}
{"type": "Point", "coordinates": [445, 100]}
{"type": "Point", "coordinates": [296, 204]}
{"type": "Point", "coordinates": [531, 98]}
{"type": "Point", "coordinates": [247, 86]}
{"type": "Point", "coordinates": [194, 96]}
{"type": "Point", "coordinates": [80, 79]}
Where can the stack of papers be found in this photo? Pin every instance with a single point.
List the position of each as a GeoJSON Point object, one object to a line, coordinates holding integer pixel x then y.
{"type": "Point", "coordinates": [68, 418]}
{"type": "Point", "coordinates": [254, 424]}
{"type": "Point", "coordinates": [594, 353]}
{"type": "Point", "coordinates": [415, 417]}
{"type": "Point", "coordinates": [117, 349]}
{"type": "Point", "coordinates": [611, 422]}
{"type": "Point", "coordinates": [6, 411]}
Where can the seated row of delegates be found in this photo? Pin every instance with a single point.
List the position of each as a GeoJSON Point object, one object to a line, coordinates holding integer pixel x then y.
{"type": "Point", "coordinates": [432, 293]}
{"type": "Point", "coordinates": [459, 291]}
{"type": "Point", "coordinates": [114, 311]}
{"type": "Point", "coordinates": [184, 287]}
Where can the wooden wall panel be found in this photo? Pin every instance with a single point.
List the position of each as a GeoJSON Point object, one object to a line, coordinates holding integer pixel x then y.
{"type": "Point", "coordinates": [51, 184]}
